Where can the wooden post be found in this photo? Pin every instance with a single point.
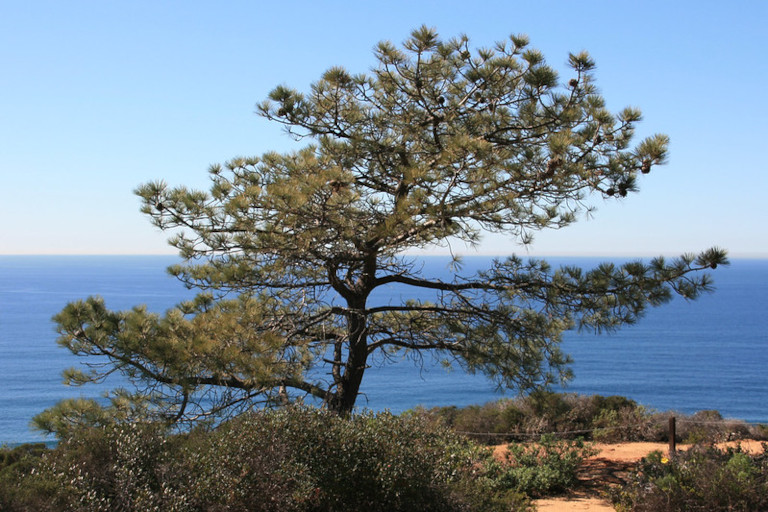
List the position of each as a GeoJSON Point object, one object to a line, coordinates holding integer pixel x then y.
{"type": "Point", "coordinates": [672, 434]}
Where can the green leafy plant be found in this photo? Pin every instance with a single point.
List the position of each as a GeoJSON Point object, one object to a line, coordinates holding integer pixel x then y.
{"type": "Point", "coordinates": [15, 464]}
{"type": "Point", "coordinates": [610, 418]}
{"type": "Point", "coordinates": [292, 459]}
{"type": "Point", "coordinates": [703, 478]}
{"type": "Point", "coordinates": [594, 417]}
{"type": "Point", "coordinates": [629, 424]}
{"type": "Point", "coordinates": [543, 468]}
{"type": "Point", "coordinates": [119, 467]}
{"type": "Point", "coordinates": [376, 462]}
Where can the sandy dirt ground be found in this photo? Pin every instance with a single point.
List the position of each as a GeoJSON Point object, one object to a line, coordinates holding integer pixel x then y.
{"type": "Point", "coordinates": [609, 467]}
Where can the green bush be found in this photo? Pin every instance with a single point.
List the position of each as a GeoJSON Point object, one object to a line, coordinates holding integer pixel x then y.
{"type": "Point", "coordinates": [759, 432]}
{"type": "Point", "coordinates": [490, 423]}
{"type": "Point", "coordinates": [629, 424]}
{"type": "Point", "coordinates": [15, 464]}
{"type": "Point", "coordinates": [292, 459]}
{"type": "Point", "coordinates": [118, 467]}
{"type": "Point", "coordinates": [236, 468]}
{"type": "Point", "coordinates": [606, 419]}
{"type": "Point", "coordinates": [544, 412]}
{"type": "Point", "coordinates": [709, 426]}
{"type": "Point", "coordinates": [375, 462]}
{"type": "Point", "coordinates": [9, 457]}
{"type": "Point", "coordinates": [701, 479]}
{"type": "Point", "coordinates": [544, 468]}
{"type": "Point", "coordinates": [115, 468]}
{"type": "Point", "coordinates": [300, 459]}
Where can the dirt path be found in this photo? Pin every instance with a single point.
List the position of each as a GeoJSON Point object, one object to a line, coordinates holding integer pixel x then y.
{"type": "Point", "coordinates": [608, 468]}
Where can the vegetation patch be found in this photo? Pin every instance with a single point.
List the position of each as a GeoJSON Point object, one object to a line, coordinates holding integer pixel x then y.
{"type": "Point", "coordinates": [544, 468]}
{"type": "Point", "coordinates": [304, 459]}
{"type": "Point", "coordinates": [592, 417]}
{"type": "Point", "coordinates": [703, 478]}
{"type": "Point", "coordinates": [292, 459]}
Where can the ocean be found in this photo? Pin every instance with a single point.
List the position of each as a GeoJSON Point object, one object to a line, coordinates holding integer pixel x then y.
{"type": "Point", "coordinates": [711, 353]}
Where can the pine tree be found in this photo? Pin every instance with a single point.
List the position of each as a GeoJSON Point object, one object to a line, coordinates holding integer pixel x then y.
{"type": "Point", "coordinates": [438, 144]}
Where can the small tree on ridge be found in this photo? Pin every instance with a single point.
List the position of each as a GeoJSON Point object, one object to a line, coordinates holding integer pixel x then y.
{"type": "Point", "coordinates": [439, 143]}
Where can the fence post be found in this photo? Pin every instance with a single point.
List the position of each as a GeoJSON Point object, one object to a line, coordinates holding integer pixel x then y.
{"type": "Point", "coordinates": [672, 435]}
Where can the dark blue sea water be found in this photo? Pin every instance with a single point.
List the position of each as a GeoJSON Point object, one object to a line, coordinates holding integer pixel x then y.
{"type": "Point", "coordinates": [686, 356]}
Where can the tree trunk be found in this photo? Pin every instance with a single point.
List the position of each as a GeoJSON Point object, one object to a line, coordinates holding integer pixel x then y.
{"type": "Point", "coordinates": [343, 400]}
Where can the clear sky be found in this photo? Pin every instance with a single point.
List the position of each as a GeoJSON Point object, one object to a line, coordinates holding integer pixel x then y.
{"type": "Point", "coordinates": [97, 97]}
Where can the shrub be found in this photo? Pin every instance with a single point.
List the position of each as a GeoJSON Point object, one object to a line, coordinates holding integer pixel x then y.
{"type": "Point", "coordinates": [292, 459]}
{"type": "Point", "coordinates": [235, 468]}
{"type": "Point", "coordinates": [544, 412]}
{"type": "Point", "coordinates": [98, 469]}
{"type": "Point", "coordinates": [15, 464]}
{"type": "Point", "coordinates": [10, 457]}
{"type": "Point", "coordinates": [708, 426]}
{"type": "Point", "coordinates": [703, 478]}
{"type": "Point", "coordinates": [629, 424]}
{"type": "Point", "coordinates": [543, 468]}
{"type": "Point", "coordinates": [376, 462]}
{"type": "Point", "coordinates": [595, 417]}
{"type": "Point", "coordinates": [489, 423]}
{"type": "Point", "coordinates": [759, 432]}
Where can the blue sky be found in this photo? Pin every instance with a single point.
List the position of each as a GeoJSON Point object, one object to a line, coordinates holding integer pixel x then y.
{"type": "Point", "coordinates": [99, 97]}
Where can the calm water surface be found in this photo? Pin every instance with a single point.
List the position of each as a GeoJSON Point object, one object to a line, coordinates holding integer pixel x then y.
{"type": "Point", "coordinates": [685, 356]}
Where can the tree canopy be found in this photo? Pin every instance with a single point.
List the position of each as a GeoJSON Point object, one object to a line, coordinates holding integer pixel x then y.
{"type": "Point", "coordinates": [438, 144]}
